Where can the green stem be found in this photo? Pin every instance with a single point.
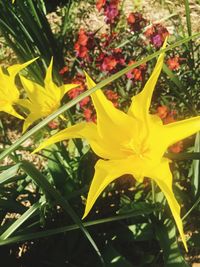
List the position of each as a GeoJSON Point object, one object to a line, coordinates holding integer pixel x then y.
{"type": "Point", "coordinates": [191, 209]}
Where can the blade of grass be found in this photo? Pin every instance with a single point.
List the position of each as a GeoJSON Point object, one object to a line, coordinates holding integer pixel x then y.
{"type": "Point", "coordinates": [25, 216]}
{"type": "Point", "coordinates": [189, 28]}
{"type": "Point", "coordinates": [196, 167]}
{"type": "Point", "coordinates": [6, 176]}
{"type": "Point", "coordinates": [87, 93]}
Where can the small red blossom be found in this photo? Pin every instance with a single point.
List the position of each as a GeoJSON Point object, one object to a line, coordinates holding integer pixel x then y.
{"type": "Point", "coordinates": [87, 114]}
{"type": "Point", "coordinates": [162, 112]}
{"type": "Point", "coordinates": [100, 4]}
{"type": "Point", "coordinates": [137, 73]}
{"type": "Point", "coordinates": [63, 70]}
{"type": "Point", "coordinates": [84, 101]}
{"type": "Point", "coordinates": [177, 147]}
{"type": "Point", "coordinates": [136, 21]}
{"type": "Point", "coordinates": [81, 45]}
{"type": "Point", "coordinates": [82, 37]}
{"type": "Point", "coordinates": [75, 92]}
{"type": "Point", "coordinates": [109, 63]}
{"type": "Point", "coordinates": [173, 63]}
{"type": "Point", "coordinates": [53, 125]}
{"type": "Point", "coordinates": [112, 96]}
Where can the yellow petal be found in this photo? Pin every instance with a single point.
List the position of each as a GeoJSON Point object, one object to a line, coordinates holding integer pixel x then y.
{"type": "Point", "coordinates": [81, 130]}
{"type": "Point", "coordinates": [163, 177]}
{"type": "Point", "coordinates": [9, 109]}
{"type": "Point", "coordinates": [114, 126]}
{"type": "Point", "coordinates": [48, 79]}
{"type": "Point", "coordinates": [141, 102]}
{"type": "Point", "coordinates": [106, 171]}
{"type": "Point", "coordinates": [33, 90]}
{"type": "Point", "coordinates": [13, 70]}
{"type": "Point", "coordinates": [179, 130]}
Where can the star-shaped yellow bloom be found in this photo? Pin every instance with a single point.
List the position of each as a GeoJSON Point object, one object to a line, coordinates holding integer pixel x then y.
{"type": "Point", "coordinates": [42, 101]}
{"type": "Point", "coordinates": [132, 143]}
{"type": "Point", "coordinates": [9, 94]}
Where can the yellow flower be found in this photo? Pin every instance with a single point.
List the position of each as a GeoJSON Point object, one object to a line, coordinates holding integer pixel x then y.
{"type": "Point", "coordinates": [132, 143]}
{"type": "Point", "coordinates": [42, 101]}
{"type": "Point", "coordinates": [8, 90]}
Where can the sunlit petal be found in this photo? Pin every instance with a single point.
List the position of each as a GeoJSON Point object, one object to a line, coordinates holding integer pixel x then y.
{"type": "Point", "coordinates": [121, 126]}
{"type": "Point", "coordinates": [179, 130]}
{"type": "Point", "coordinates": [141, 102]}
{"type": "Point", "coordinates": [106, 171]}
{"type": "Point", "coordinates": [10, 110]}
{"type": "Point", "coordinates": [13, 70]}
{"type": "Point", "coordinates": [163, 177]}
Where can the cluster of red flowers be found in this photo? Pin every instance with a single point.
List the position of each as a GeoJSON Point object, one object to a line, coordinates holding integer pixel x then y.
{"type": "Point", "coordinates": [84, 43]}
{"type": "Point", "coordinates": [167, 116]}
{"type": "Point", "coordinates": [111, 61]}
{"type": "Point", "coordinates": [136, 21]}
{"type": "Point", "coordinates": [111, 10]}
{"type": "Point", "coordinates": [157, 34]}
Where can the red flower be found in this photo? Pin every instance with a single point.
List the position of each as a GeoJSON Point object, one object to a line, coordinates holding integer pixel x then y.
{"type": "Point", "coordinates": [53, 125]}
{"type": "Point", "coordinates": [112, 96]}
{"type": "Point", "coordinates": [87, 114]}
{"type": "Point", "coordinates": [173, 63]}
{"type": "Point", "coordinates": [136, 21]}
{"type": "Point", "coordinates": [63, 70]}
{"type": "Point", "coordinates": [82, 37]}
{"type": "Point", "coordinates": [81, 45]}
{"type": "Point", "coordinates": [109, 63]}
{"type": "Point", "coordinates": [157, 34]}
{"type": "Point", "coordinates": [149, 32]}
{"type": "Point", "coordinates": [162, 111]}
{"type": "Point", "coordinates": [177, 147]}
{"type": "Point", "coordinates": [137, 73]}
{"type": "Point", "coordinates": [82, 51]}
{"type": "Point", "coordinates": [100, 4]}
{"type": "Point", "coordinates": [131, 18]}
{"type": "Point", "coordinates": [84, 101]}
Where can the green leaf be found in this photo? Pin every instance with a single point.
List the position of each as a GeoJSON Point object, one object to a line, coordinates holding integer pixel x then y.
{"type": "Point", "coordinates": [196, 167]}
{"type": "Point", "coordinates": [7, 175]}
{"type": "Point", "coordinates": [166, 235]}
{"type": "Point", "coordinates": [29, 213]}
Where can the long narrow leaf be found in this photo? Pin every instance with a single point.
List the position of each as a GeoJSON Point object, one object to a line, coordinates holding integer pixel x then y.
{"type": "Point", "coordinates": [32, 210]}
